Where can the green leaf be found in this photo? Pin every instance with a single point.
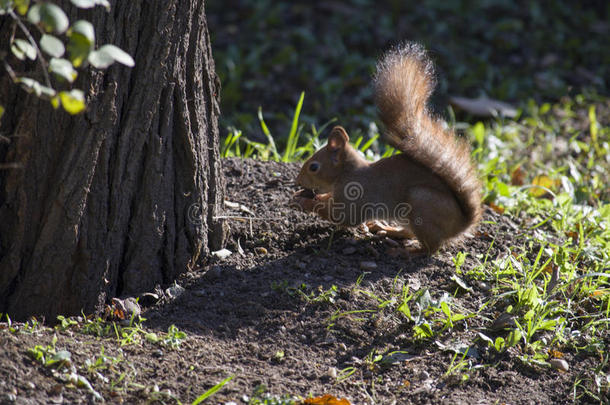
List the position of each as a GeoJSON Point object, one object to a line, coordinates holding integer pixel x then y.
{"type": "Point", "coordinates": [499, 344]}
{"type": "Point", "coordinates": [108, 54]}
{"type": "Point", "coordinates": [152, 337]}
{"type": "Point", "coordinates": [445, 309]}
{"type": "Point", "coordinates": [78, 49]}
{"type": "Point", "coordinates": [423, 331]}
{"type": "Point", "coordinates": [100, 60]}
{"type": "Point", "coordinates": [80, 44]}
{"type": "Point", "coordinates": [17, 51]}
{"type": "Point", "coordinates": [22, 6]}
{"type": "Point", "coordinates": [478, 130]}
{"type": "Point", "coordinates": [404, 308]}
{"type": "Point", "coordinates": [1, 111]}
{"type": "Point", "coordinates": [118, 54]}
{"type": "Point", "coordinates": [91, 3]}
{"type": "Point", "coordinates": [63, 68]}
{"type": "Point", "coordinates": [52, 46]}
{"type": "Point", "coordinates": [33, 86]}
{"type": "Point", "coordinates": [22, 48]}
{"type": "Point", "coordinates": [593, 127]}
{"type": "Point", "coordinates": [72, 101]}
{"type": "Point", "coordinates": [49, 16]}
{"type": "Point", "coordinates": [61, 357]}
{"type": "Point", "coordinates": [85, 28]}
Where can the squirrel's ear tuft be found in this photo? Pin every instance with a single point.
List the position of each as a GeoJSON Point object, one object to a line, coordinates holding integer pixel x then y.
{"type": "Point", "coordinates": [338, 138]}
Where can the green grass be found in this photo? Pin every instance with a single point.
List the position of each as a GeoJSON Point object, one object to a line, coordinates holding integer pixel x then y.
{"type": "Point", "coordinates": [298, 143]}
{"type": "Point", "coordinates": [114, 374]}
{"type": "Point", "coordinates": [549, 291]}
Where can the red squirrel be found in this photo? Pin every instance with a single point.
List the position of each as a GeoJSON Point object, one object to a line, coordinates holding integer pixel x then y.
{"type": "Point", "coordinates": [431, 187]}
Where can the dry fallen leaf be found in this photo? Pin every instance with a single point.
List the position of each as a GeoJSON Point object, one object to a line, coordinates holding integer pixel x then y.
{"type": "Point", "coordinates": [326, 400]}
{"type": "Point", "coordinates": [555, 354]}
{"type": "Point", "coordinates": [543, 184]}
{"type": "Point", "coordinates": [517, 178]}
{"type": "Point", "coordinates": [497, 208]}
{"type": "Point", "coordinates": [483, 106]}
{"type": "Point", "coordinates": [599, 293]}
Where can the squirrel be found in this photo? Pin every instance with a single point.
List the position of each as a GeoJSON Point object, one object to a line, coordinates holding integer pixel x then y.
{"type": "Point", "coordinates": [431, 188]}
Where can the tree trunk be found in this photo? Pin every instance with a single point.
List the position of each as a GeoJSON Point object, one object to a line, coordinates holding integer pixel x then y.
{"type": "Point", "coordinates": [123, 197]}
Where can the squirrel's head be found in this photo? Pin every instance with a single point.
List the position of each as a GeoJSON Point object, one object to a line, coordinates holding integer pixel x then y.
{"type": "Point", "coordinates": [320, 171]}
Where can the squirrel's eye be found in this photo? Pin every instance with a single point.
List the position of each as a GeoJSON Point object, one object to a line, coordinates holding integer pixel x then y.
{"type": "Point", "coordinates": [314, 167]}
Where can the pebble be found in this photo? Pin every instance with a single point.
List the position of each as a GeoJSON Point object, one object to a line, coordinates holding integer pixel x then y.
{"type": "Point", "coordinates": [414, 283]}
{"type": "Point", "coordinates": [349, 250]}
{"type": "Point", "coordinates": [148, 299]}
{"type": "Point", "coordinates": [559, 364]}
{"type": "Point", "coordinates": [368, 265]}
{"type": "Point", "coordinates": [260, 250]}
{"type": "Point", "coordinates": [175, 291]}
{"type": "Point", "coordinates": [332, 372]}
{"type": "Point", "coordinates": [222, 253]}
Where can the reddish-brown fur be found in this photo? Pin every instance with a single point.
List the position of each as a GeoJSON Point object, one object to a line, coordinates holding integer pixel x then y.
{"type": "Point", "coordinates": [433, 177]}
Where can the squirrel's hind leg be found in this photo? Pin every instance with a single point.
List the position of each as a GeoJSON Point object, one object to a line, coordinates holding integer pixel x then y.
{"type": "Point", "coordinates": [435, 217]}
{"type": "Point", "coordinates": [394, 232]}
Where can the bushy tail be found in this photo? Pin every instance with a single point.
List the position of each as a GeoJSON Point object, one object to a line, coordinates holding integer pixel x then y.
{"type": "Point", "coordinates": [403, 84]}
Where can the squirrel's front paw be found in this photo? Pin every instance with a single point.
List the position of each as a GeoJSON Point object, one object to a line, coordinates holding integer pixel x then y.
{"type": "Point", "coordinates": [303, 200]}
{"type": "Point", "coordinates": [308, 201]}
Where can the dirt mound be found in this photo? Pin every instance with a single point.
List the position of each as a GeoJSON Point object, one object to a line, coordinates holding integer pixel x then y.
{"type": "Point", "coordinates": [299, 313]}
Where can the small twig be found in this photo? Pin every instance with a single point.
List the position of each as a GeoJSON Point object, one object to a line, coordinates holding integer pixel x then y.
{"type": "Point", "coordinates": [248, 218]}
{"type": "Point", "coordinates": [10, 72]}
{"type": "Point", "coordinates": [42, 60]}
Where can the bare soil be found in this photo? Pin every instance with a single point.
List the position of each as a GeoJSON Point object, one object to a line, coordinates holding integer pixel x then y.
{"type": "Point", "coordinates": [245, 317]}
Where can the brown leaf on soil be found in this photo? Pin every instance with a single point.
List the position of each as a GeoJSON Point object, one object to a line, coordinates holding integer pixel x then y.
{"type": "Point", "coordinates": [544, 184]}
{"type": "Point", "coordinates": [517, 178]}
{"type": "Point", "coordinates": [497, 208]}
{"type": "Point", "coordinates": [326, 400]}
{"type": "Point", "coordinates": [555, 354]}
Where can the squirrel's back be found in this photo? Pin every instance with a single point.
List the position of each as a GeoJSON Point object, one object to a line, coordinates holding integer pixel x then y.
{"type": "Point", "coordinates": [403, 84]}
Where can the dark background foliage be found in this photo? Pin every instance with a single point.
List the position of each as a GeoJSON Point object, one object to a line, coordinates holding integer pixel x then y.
{"type": "Point", "coordinates": [267, 52]}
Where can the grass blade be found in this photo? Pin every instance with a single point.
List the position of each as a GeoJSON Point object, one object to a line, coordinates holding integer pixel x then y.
{"type": "Point", "coordinates": [293, 136]}
{"type": "Point", "coordinates": [212, 391]}
{"type": "Point", "coordinates": [267, 133]}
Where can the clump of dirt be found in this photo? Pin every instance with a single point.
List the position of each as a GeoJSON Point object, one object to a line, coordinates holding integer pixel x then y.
{"type": "Point", "coordinates": [294, 309]}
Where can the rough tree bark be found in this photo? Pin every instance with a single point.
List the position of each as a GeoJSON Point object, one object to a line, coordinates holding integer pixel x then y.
{"type": "Point", "coordinates": [123, 197]}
